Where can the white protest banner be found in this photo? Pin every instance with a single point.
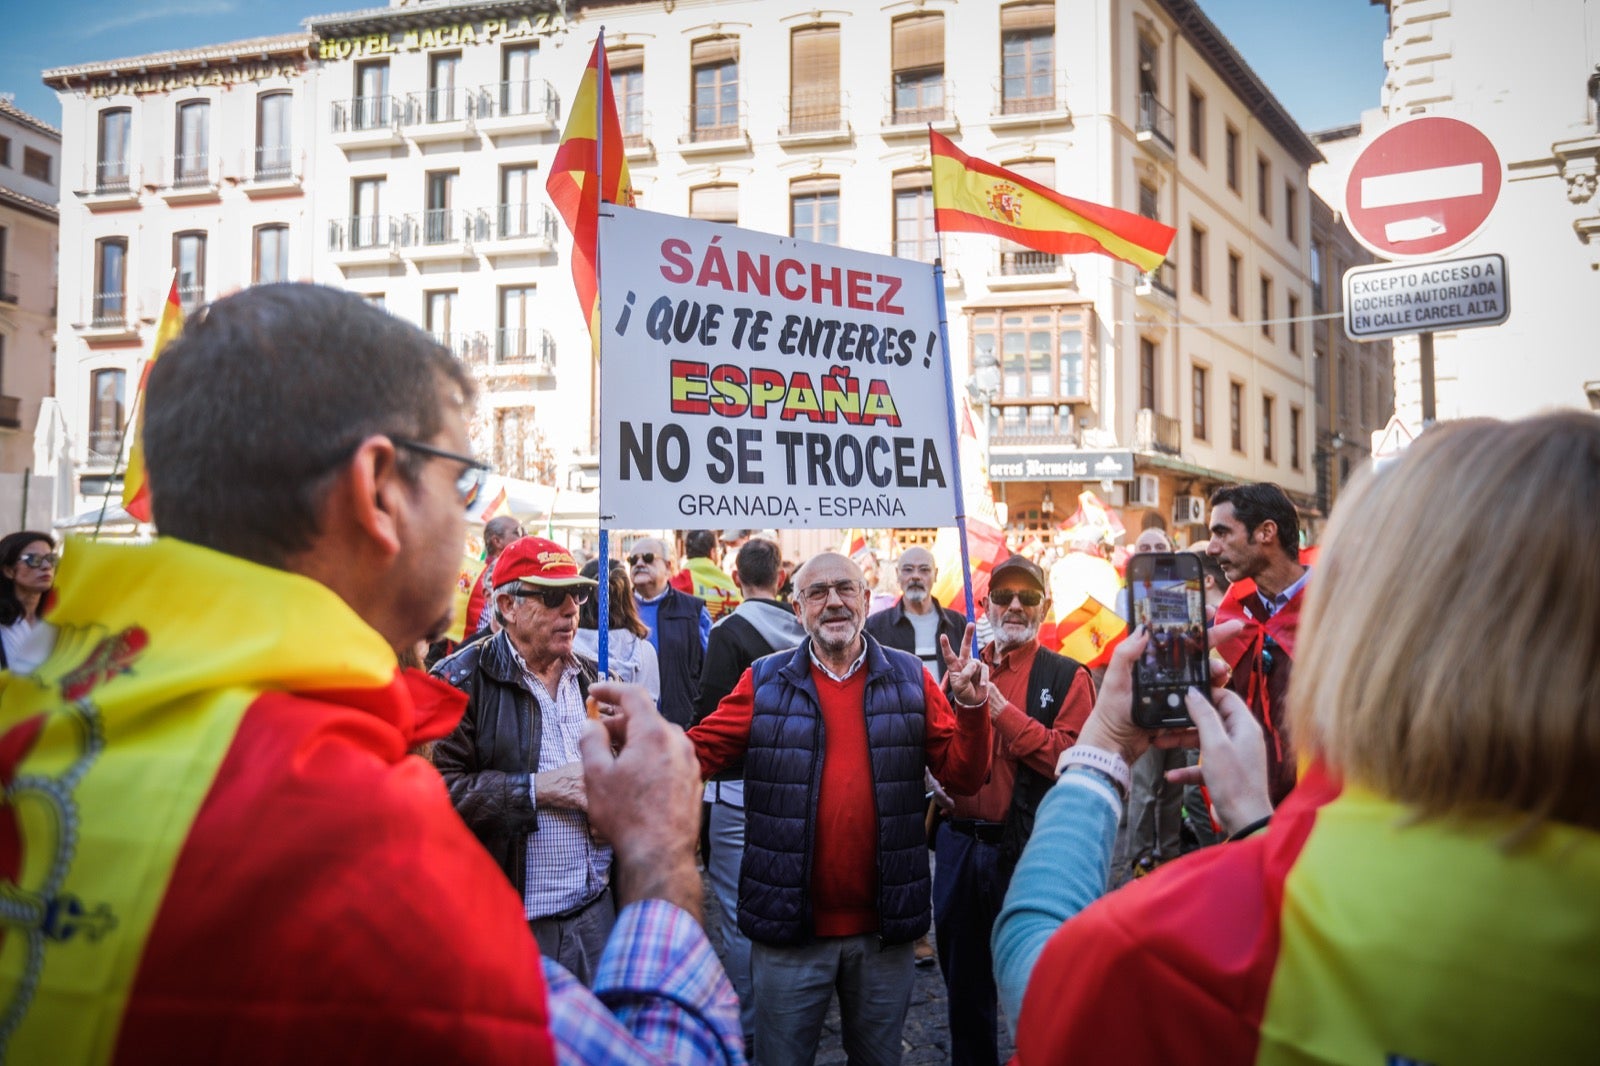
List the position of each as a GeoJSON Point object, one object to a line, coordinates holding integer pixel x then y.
{"type": "Point", "coordinates": [754, 380]}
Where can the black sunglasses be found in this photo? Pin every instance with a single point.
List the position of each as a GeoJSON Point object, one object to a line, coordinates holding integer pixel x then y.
{"type": "Point", "coordinates": [1006, 597]}
{"type": "Point", "coordinates": [647, 558]}
{"type": "Point", "coordinates": [553, 597]}
{"type": "Point", "coordinates": [36, 561]}
{"type": "Point", "coordinates": [471, 480]}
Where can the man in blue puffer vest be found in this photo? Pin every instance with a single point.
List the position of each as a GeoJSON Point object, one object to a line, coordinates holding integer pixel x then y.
{"type": "Point", "coordinates": [834, 885]}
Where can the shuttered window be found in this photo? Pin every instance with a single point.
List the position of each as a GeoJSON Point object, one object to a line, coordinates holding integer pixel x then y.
{"type": "Point", "coordinates": [1014, 258]}
{"type": "Point", "coordinates": [814, 79]}
{"type": "Point", "coordinates": [1027, 58]}
{"type": "Point", "coordinates": [715, 63]}
{"type": "Point", "coordinates": [715, 203]}
{"type": "Point", "coordinates": [917, 59]}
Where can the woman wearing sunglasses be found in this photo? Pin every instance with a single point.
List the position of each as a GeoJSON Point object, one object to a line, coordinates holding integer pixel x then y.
{"type": "Point", "coordinates": [27, 570]}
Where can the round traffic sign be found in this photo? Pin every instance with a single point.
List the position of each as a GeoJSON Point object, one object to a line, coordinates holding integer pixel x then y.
{"type": "Point", "coordinates": [1422, 187]}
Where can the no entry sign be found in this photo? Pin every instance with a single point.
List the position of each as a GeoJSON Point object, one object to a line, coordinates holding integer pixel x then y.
{"type": "Point", "coordinates": [1422, 188]}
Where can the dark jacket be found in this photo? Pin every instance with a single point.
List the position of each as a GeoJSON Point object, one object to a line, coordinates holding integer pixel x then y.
{"type": "Point", "coordinates": [783, 774]}
{"type": "Point", "coordinates": [679, 653]}
{"type": "Point", "coordinates": [1051, 673]}
{"type": "Point", "coordinates": [488, 761]}
{"type": "Point", "coordinates": [893, 629]}
{"type": "Point", "coordinates": [756, 628]}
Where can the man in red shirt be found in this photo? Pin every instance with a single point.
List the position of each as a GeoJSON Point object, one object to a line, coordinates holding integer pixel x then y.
{"type": "Point", "coordinates": [1037, 702]}
{"type": "Point", "coordinates": [834, 886]}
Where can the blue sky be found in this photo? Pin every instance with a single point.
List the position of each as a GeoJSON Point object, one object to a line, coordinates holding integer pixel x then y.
{"type": "Point", "coordinates": [1321, 58]}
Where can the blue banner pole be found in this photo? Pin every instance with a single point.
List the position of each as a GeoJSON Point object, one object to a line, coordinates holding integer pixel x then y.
{"type": "Point", "coordinates": [602, 79]}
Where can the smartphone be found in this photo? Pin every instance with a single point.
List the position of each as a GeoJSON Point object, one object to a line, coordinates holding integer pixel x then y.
{"type": "Point", "coordinates": [1166, 595]}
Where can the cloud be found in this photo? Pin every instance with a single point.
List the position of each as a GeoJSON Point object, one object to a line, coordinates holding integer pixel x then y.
{"type": "Point", "coordinates": [177, 9]}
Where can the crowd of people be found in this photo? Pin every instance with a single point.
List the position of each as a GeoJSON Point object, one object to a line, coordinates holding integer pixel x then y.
{"type": "Point", "coordinates": [1380, 841]}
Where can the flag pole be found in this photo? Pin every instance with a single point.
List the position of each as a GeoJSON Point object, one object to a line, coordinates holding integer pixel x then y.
{"type": "Point", "coordinates": [133, 414]}
{"type": "Point", "coordinates": [602, 85]}
{"type": "Point", "coordinates": [950, 406]}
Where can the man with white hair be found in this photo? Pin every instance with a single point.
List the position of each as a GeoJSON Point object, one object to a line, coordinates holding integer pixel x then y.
{"type": "Point", "coordinates": [917, 621]}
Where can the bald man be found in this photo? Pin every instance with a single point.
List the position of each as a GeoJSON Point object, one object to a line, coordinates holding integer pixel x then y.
{"type": "Point", "coordinates": [917, 621]}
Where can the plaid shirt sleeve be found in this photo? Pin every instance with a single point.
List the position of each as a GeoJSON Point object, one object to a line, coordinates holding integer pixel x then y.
{"type": "Point", "coordinates": [660, 996]}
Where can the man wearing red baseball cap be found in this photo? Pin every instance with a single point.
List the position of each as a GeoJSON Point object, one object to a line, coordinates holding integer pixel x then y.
{"type": "Point", "coordinates": [512, 765]}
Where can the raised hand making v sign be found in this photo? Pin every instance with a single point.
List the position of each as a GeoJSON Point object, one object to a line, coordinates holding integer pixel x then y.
{"type": "Point", "coordinates": [967, 676]}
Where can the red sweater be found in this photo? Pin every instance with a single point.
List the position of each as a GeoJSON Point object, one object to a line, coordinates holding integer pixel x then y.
{"type": "Point", "coordinates": [845, 864]}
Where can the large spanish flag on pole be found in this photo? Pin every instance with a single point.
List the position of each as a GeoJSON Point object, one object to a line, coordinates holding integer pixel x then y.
{"type": "Point", "coordinates": [135, 486]}
{"type": "Point", "coordinates": [976, 196]}
{"type": "Point", "coordinates": [575, 186]}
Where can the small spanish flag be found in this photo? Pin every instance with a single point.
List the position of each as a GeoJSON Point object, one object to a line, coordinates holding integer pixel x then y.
{"type": "Point", "coordinates": [135, 485]}
{"type": "Point", "coordinates": [1091, 633]}
{"type": "Point", "coordinates": [576, 188]}
{"type": "Point", "coordinates": [974, 196]}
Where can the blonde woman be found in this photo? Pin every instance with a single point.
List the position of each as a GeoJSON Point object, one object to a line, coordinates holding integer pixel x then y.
{"type": "Point", "coordinates": [1430, 892]}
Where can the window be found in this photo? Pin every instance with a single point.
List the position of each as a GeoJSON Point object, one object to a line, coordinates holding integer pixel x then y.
{"type": "Point", "coordinates": [1014, 258]}
{"type": "Point", "coordinates": [520, 92]}
{"type": "Point", "coordinates": [444, 102]}
{"type": "Point", "coordinates": [1294, 437]}
{"type": "Point", "coordinates": [189, 260]}
{"type": "Point", "coordinates": [1149, 80]}
{"type": "Point", "coordinates": [1345, 406]}
{"type": "Point", "coordinates": [8, 284]}
{"type": "Point", "coordinates": [1147, 201]}
{"type": "Point", "coordinates": [1147, 373]}
{"type": "Point", "coordinates": [511, 432]}
{"type": "Point", "coordinates": [515, 338]}
{"type": "Point", "coordinates": [111, 174]}
{"type": "Point", "coordinates": [1197, 125]}
{"type": "Point", "coordinates": [1361, 398]}
{"type": "Point", "coordinates": [1040, 352]}
{"type": "Point", "coordinates": [1197, 259]}
{"type": "Point", "coordinates": [438, 219]}
{"type": "Point", "coordinates": [191, 164]}
{"type": "Point", "coordinates": [274, 154]}
{"type": "Point", "coordinates": [107, 393]}
{"type": "Point", "coordinates": [368, 227]}
{"type": "Point", "coordinates": [814, 80]}
{"type": "Point", "coordinates": [627, 85]}
{"type": "Point", "coordinates": [372, 108]}
{"type": "Point", "coordinates": [814, 210]}
{"type": "Point", "coordinates": [36, 164]}
{"type": "Point", "coordinates": [1266, 429]}
{"type": "Point", "coordinates": [271, 254]}
{"type": "Point", "coordinates": [715, 64]}
{"type": "Point", "coordinates": [1320, 373]}
{"type": "Point", "coordinates": [1236, 415]}
{"type": "Point", "coordinates": [1291, 212]}
{"type": "Point", "coordinates": [376, 299]}
{"type": "Point", "coordinates": [914, 236]}
{"type": "Point", "coordinates": [1266, 306]}
{"type": "Point", "coordinates": [438, 314]}
{"type": "Point", "coordinates": [917, 61]}
{"type": "Point", "coordinates": [715, 203]}
{"type": "Point", "coordinates": [1264, 187]}
{"type": "Point", "coordinates": [520, 197]}
{"type": "Point", "coordinates": [1027, 58]}
{"type": "Point", "coordinates": [1317, 255]}
{"type": "Point", "coordinates": [5, 152]}
{"type": "Point", "coordinates": [1200, 402]}
{"type": "Point", "coordinates": [1231, 143]}
{"type": "Point", "coordinates": [110, 281]}
{"type": "Point", "coordinates": [1294, 325]}
{"type": "Point", "coordinates": [1235, 267]}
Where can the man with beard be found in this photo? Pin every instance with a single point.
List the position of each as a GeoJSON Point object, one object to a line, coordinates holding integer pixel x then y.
{"type": "Point", "coordinates": [1255, 536]}
{"type": "Point", "coordinates": [834, 885]}
{"type": "Point", "coordinates": [679, 627]}
{"type": "Point", "coordinates": [917, 621]}
{"type": "Point", "coordinates": [1037, 702]}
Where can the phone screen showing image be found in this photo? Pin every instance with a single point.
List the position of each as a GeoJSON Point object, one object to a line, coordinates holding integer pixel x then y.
{"type": "Point", "coordinates": [1166, 595]}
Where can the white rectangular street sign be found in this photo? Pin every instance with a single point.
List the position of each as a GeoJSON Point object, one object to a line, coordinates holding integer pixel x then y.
{"type": "Point", "coordinates": [1389, 300]}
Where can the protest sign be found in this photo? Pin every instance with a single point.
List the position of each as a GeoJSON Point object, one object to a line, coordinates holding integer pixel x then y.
{"type": "Point", "coordinates": [748, 379]}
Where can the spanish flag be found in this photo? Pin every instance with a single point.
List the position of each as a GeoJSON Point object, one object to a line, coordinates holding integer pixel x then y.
{"type": "Point", "coordinates": [1091, 633]}
{"type": "Point", "coordinates": [576, 189]}
{"type": "Point", "coordinates": [974, 196]}
{"type": "Point", "coordinates": [135, 486]}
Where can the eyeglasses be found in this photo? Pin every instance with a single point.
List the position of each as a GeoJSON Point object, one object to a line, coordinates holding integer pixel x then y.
{"type": "Point", "coordinates": [1006, 597]}
{"type": "Point", "coordinates": [818, 594]}
{"type": "Point", "coordinates": [647, 558]}
{"type": "Point", "coordinates": [554, 597]}
{"type": "Point", "coordinates": [35, 561]}
{"type": "Point", "coordinates": [471, 480]}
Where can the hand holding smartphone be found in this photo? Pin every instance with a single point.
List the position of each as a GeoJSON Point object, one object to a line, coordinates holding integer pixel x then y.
{"type": "Point", "coordinates": [1166, 595]}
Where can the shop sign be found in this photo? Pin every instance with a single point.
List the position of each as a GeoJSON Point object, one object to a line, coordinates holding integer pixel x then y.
{"type": "Point", "coordinates": [1064, 464]}
{"type": "Point", "coordinates": [488, 31]}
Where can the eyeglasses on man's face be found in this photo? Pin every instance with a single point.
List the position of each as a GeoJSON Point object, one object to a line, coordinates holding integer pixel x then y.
{"type": "Point", "coordinates": [1006, 597]}
{"type": "Point", "coordinates": [471, 480]}
{"type": "Point", "coordinates": [39, 560]}
{"type": "Point", "coordinates": [647, 558]}
{"type": "Point", "coordinates": [818, 594]}
{"type": "Point", "coordinates": [554, 597]}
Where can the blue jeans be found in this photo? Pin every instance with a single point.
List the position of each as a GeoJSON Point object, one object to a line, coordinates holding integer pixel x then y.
{"type": "Point", "coordinates": [968, 890]}
{"type": "Point", "coordinates": [794, 985]}
{"type": "Point", "coordinates": [727, 849]}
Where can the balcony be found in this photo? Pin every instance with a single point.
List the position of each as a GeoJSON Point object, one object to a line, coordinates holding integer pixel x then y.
{"type": "Point", "coordinates": [1156, 432]}
{"type": "Point", "coordinates": [10, 412]}
{"type": "Point", "coordinates": [709, 130]}
{"type": "Point", "coordinates": [111, 184]}
{"type": "Point", "coordinates": [190, 297]}
{"type": "Point", "coordinates": [517, 107]}
{"type": "Point", "coordinates": [192, 179]}
{"type": "Point", "coordinates": [110, 319]}
{"type": "Point", "coordinates": [439, 115]}
{"type": "Point", "coordinates": [10, 286]}
{"type": "Point", "coordinates": [367, 121]}
{"type": "Point", "coordinates": [364, 239]}
{"type": "Point", "coordinates": [913, 103]}
{"type": "Point", "coordinates": [1030, 101]}
{"type": "Point", "coordinates": [471, 348]}
{"type": "Point", "coordinates": [442, 233]}
{"type": "Point", "coordinates": [104, 449]}
{"type": "Point", "coordinates": [1159, 285]}
{"type": "Point", "coordinates": [275, 170]}
{"type": "Point", "coordinates": [1155, 127]}
{"type": "Point", "coordinates": [816, 118]}
{"type": "Point", "coordinates": [926, 250]}
{"type": "Point", "coordinates": [522, 229]}
{"type": "Point", "coordinates": [1022, 268]}
{"type": "Point", "coordinates": [637, 143]}
{"type": "Point", "coordinates": [525, 351]}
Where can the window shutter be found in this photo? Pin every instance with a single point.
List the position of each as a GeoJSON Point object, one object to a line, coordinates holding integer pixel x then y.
{"type": "Point", "coordinates": [912, 179]}
{"type": "Point", "coordinates": [714, 50]}
{"type": "Point", "coordinates": [918, 42]}
{"type": "Point", "coordinates": [1023, 17]}
{"type": "Point", "coordinates": [814, 60]}
{"type": "Point", "coordinates": [715, 203]}
{"type": "Point", "coordinates": [630, 57]}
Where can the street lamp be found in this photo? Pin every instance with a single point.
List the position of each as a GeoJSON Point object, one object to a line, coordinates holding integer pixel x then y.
{"type": "Point", "coordinates": [1047, 505]}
